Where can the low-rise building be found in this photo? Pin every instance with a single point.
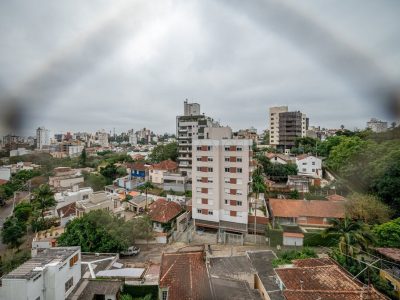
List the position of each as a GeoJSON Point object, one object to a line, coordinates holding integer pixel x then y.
{"type": "Point", "coordinates": [176, 182]}
{"type": "Point", "coordinates": [309, 165]}
{"type": "Point", "coordinates": [138, 169]}
{"type": "Point", "coordinates": [20, 152]}
{"type": "Point", "coordinates": [157, 171]}
{"type": "Point", "coordinates": [163, 214]}
{"type": "Point", "coordinates": [97, 200]}
{"type": "Point", "coordinates": [65, 178]}
{"type": "Point", "coordinates": [390, 267]}
{"type": "Point", "coordinates": [46, 239]}
{"type": "Point", "coordinates": [52, 274]}
{"type": "Point", "coordinates": [5, 173]}
{"type": "Point", "coordinates": [278, 158]}
{"type": "Point", "coordinates": [315, 213]}
{"type": "Point", "coordinates": [138, 203]}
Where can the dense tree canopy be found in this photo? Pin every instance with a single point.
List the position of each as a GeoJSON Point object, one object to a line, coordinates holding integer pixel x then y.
{"type": "Point", "coordinates": [164, 152]}
{"type": "Point", "coordinates": [388, 234]}
{"type": "Point", "coordinates": [13, 231]}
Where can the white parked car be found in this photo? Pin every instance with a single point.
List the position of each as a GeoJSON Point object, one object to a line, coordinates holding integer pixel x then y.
{"type": "Point", "coordinates": [131, 251]}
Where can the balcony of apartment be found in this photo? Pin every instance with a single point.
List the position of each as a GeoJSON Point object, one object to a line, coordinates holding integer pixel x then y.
{"type": "Point", "coordinates": [184, 158]}
{"type": "Point", "coordinates": [185, 164]}
{"type": "Point", "coordinates": [184, 150]}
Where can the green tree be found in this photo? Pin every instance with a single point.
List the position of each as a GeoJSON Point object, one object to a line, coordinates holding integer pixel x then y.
{"type": "Point", "coordinates": [367, 208]}
{"type": "Point", "coordinates": [83, 158]}
{"type": "Point", "coordinates": [97, 231]}
{"type": "Point", "coordinates": [142, 228]}
{"type": "Point", "coordinates": [13, 231]}
{"type": "Point", "coordinates": [353, 235]}
{"type": "Point", "coordinates": [43, 198]}
{"type": "Point", "coordinates": [145, 187]}
{"type": "Point", "coordinates": [164, 152]}
{"type": "Point", "coordinates": [23, 211]}
{"type": "Point", "coordinates": [341, 154]}
{"type": "Point", "coordinates": [388, 234]}
{"type": "Point", "coordinates": [109, 172]}
{"type": "Point", "coordinates": [96, 181]}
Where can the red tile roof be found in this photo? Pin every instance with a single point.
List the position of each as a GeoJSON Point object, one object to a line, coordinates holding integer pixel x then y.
{"type": "Point", "coordinates": [316, 281]}
{"type": "Point", "coordinates": [293, 234]}
{"type": "Point", "coordinates": [290, 208]}
{"type": "Point", "coordinates": [313, 262]}
{"type": "Point", "coordinates": [335, 197]}
{"type": "Point", "coordinates": [140, 166]}
{"type": "Point", "coordinates": [392, 253]}
{"type": "Point", "coordinates": [67, 210]}
{"type": "Point", "coordinates": [167, 165]}
{"type": "Point", "coordinates": [163, 211]}
{"type": "Point", "coordinates": [185, 276]}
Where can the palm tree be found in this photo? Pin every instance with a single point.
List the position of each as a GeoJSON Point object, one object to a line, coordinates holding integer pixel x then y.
{"type": "Point", "coordinates": [43, 197]}
{"type": "Point", "coordinates": [145, 187]}
{"type": "Point", "coordinates": [353, 235]}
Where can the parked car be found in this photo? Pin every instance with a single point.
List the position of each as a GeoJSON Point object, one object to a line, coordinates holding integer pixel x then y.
{"type": "Point", "coordinates": [131, 251]}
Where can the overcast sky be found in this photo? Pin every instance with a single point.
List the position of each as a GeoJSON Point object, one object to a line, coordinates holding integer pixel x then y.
{"type": "Point", "coordinates": [124, 64]}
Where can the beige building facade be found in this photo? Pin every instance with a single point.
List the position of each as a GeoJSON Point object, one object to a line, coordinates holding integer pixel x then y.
{"type": "Point", "coordinates": [274, 123]}
{"type": "Point", "coordinates": [220, 183]}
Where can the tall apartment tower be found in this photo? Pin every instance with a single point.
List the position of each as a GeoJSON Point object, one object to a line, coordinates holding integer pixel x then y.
{"type": "Point", "coordinates": [377, 125]}
{"type": "Point", "coordinates": [42, 137]}
{"type": "Point", "coordinates": [274, 123]}
{"type": "Point", "coordinates": [292, 125]}
{"type": "Point", "coordinates": [190, 127]}
{"type": "Point", "coordinates": [221, 181]}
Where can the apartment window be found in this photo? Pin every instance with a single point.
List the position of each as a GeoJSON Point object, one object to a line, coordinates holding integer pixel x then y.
{"type": "Point", "coordinates": [210, 180]}
{"type": "Point", "coordinates": [210, 169]}
{"type": "Point", "coordinates": [227, 170]}
{"type": "Point", "coordinates": [313, 163]}
{"type": "Point", "coordinates": [227, 148]}
{"type": "Point", "coordinates": [227, 191]}
{"type": "Point", "coordinates": [239, 203]}
{"type": "Point", "coordinates": [198, 148]}
{"type": "Point", "coordinates": [209, 148]}
{"type": "Point", "coordinates": [238, 159]}
{"type": "Point", "coordinates": [226, 159]}
{"type": "Point", "coordinates": [239, 192]}
{"type": "Point", "coordinates": [199, 211]}
{"type": "Point", "coordinates": [164, 295]}
{"type": "Point", "coordinates": [85, 197]}
{"type": "Point", "coordinates": [204, 201]}
{"type": "Point", "coordinates": [239, 149]}
{"type": "Point", "coordinates": [304, 170]}
{"type": "Point", "coordinates": [210, 159]}
{"type": "Point", "coordinates": [210, 212]}
{"type": "Point", "coordinates": [239, 170]}
{"type": "Point", "coordinates": [198, 189]}
{"type": "Point", "coordinates": [239, 181]}
{"type": "Point", "coordinates": [198, 169]}
{"type": "Point", "coordinates": [69, 283]}
{"type": "Point", "coordinates": [227, 180]}
{"type": "Point", "coordinates": [199, 179]}
{"type": "Point", "coordinates": [233, 213]}
{"type": "Point", "coordinates": [226, 201]}
{"type": "Point", "coordinates": [198, 158]}
{"type": "Point", "coordinates": [304, 163]}
{"type": "Point", "coordinates": [313, 170]}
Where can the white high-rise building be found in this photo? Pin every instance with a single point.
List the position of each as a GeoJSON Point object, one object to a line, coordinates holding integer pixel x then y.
{"type": "Point", "coordinates": [132, 137]}
{"type": "Point", "coordinates": [190, 127]}
{"type": "Point", "coordinates": [221, 174]}
{"type": "Point", "coordinates": [102, 138]}
{"type": "Point", "coordinates": [377, 125]}
{"type": "Point", "coordinates": [274, 123]}
{"type": "Point", "coordinates": [42, 137]}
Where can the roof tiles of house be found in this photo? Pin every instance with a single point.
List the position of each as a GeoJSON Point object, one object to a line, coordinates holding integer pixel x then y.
{"type": "Point", "coordinates": [185, 276]}
{"type": "Point", "coordinates": [391, 253]}
{"type": "Point", "coordinates": [163, 211]}
{"type": "Point", "coordinates": [327, 281]}
{"type": "Point", "coordinates": [139, 166]}
{"type": "Point", "coordinates": [335, 197]}
{"type": "Point", "coordinates": [313, 262]}
{"type": "Point", "coordinates": [281, 156]}
{"type": "Point", "coordinates": [67, 210]}
{"type": "Point", "coordinates": [167, 165]}
{"type": "Point", "coordinates": [289, 208]}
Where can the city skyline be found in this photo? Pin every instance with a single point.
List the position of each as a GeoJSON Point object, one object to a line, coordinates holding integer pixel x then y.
{"type": "Point", "coordinates": [73, 78]}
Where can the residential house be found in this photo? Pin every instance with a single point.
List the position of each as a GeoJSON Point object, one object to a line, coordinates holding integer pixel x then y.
{"type": "Point", "coordinates": [138, 170]}
{"type": "Point", "coordinates": [316, 278]}
{"type": "Point", "coordinates": [305, 212]}
{"type": "Point", "coordinates": [298, 183]}
{"type": "Point", "coordinates": [278, 158]}
{"type": "Point", "coordinates": [52, 274]}
{"type": "Point", "coordinates": [183, 275]}
{"type": "Point", "coordinates": [309, 165]}
{"type": "Point", "coordinates": [66, 213]}
{"type": "Point", "coordinates": [98, 200]}
{"type": "Point", "coordinates": [46, 239]}
{"type": "Point", "coordinates": [65, 178]}
{"type": "Point", "coordinates": [138, 203]}
{"type": "Point", "coordinates": [163, 214]}
{"type": "Point", "coordinates": [157, 171]}
{"type": "Point", "coordinates": [176, 182]}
